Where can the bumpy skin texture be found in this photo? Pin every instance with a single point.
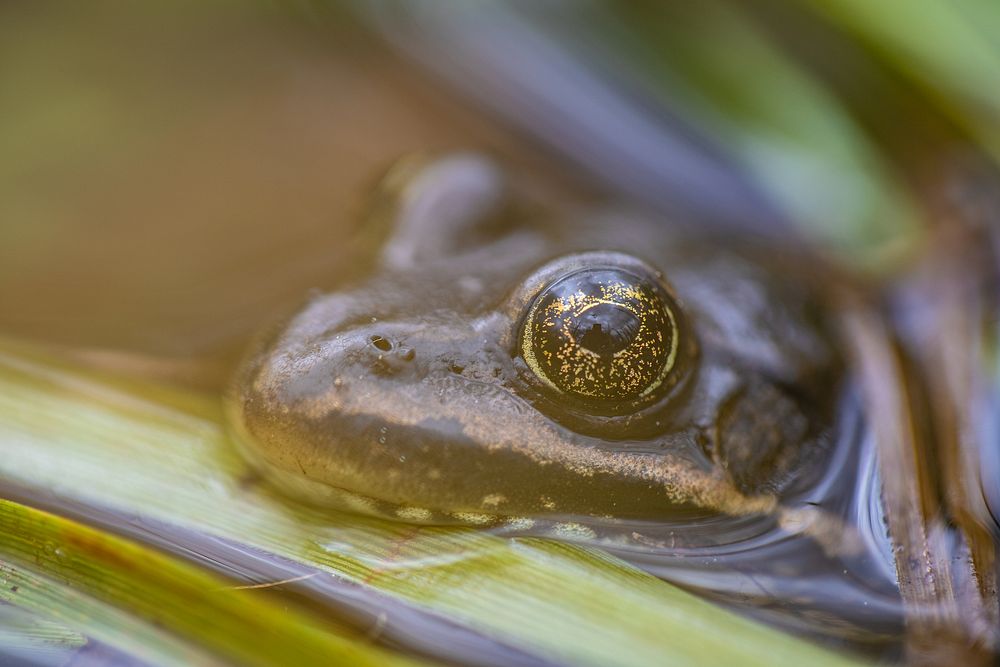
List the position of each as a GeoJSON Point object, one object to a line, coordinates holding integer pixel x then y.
{"type": "Point", "coordinates": [410, 387]}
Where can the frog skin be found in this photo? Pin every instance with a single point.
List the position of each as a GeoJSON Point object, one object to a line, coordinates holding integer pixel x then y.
{"type": "Point", "coordinates": [412, 392]}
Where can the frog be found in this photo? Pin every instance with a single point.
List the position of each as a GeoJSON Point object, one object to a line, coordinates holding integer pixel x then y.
{"type": "Point", "coordinates": [508, 357]}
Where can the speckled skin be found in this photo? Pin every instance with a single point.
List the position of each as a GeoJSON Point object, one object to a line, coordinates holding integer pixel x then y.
{"type": "Point", "coordinates": [406, 393]}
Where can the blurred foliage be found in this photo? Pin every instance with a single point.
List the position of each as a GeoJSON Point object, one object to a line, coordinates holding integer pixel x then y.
{"type": "Point", "coordinates": [729, 79]}
{"type": "Point", "coordinates": [951, 49]}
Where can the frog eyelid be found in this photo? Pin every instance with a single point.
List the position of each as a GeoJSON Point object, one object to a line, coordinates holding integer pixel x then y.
{"type": "Point", "coordinates": [430, 198]}
{"type": "Point", "coordinates": [524, 294]}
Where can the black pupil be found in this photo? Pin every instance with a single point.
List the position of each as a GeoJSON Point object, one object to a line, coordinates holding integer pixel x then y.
{"type": "Point", "coordinates": [605, 329]}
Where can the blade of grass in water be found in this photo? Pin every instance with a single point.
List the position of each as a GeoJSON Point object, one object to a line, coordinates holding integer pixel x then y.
{"type": "Point", "coordinates": [143, 601]}
{"type": "Point", "coordinates": [29, 638]}
{"type": "Point", "coordinates": [95, 444]}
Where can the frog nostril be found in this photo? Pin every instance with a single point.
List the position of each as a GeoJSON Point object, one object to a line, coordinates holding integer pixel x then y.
{"type": "Point", "coordinates": [382, 344]}
{"type": "Point", "coordinates": [407, 354]}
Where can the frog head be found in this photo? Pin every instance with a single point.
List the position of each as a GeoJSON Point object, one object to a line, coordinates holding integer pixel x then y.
{"type": "Point", "coordinates": [510, 360]}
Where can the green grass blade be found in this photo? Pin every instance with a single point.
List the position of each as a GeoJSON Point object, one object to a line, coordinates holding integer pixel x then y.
{"type": "Point", "coordinates": [143, 601]}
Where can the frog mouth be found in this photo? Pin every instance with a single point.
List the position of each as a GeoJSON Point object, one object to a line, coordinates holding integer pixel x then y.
{"type": "Point", "coordinates": [606, 530]}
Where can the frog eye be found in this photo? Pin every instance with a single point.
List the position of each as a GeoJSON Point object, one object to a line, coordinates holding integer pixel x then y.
{"type": "Point", "coordinates": [604, 335]}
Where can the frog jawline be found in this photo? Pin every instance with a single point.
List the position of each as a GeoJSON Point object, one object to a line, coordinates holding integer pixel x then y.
{"type": "Point", "coordinates": [322, 495]}
{"type": "Point", "coordinates": [315, 493]}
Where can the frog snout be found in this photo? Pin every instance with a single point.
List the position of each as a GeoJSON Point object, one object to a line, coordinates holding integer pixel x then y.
{"type": "Point", "coordinates": [386, 355]}
{"type": "Point", "coordinates": [426, 354]}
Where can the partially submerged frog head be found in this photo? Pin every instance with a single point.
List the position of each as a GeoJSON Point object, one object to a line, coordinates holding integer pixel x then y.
{"type": "Point", "coordinates": [517, 363]}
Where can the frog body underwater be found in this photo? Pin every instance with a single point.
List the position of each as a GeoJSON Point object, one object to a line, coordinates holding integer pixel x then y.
{"type": "Point", "coordinates": [511, 361]}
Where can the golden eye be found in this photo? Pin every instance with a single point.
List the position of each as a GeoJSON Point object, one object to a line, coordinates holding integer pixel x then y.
{"type": "Point", "coordinates": [603, 334]}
